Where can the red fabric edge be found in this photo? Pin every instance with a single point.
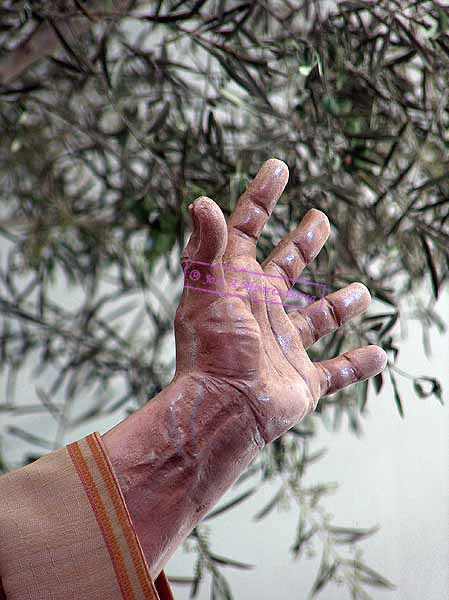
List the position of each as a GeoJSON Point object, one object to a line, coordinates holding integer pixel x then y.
{"type": "Point", "coordinates": [2, 591]}
{"type": "Point", "coordinates": [163, 587]}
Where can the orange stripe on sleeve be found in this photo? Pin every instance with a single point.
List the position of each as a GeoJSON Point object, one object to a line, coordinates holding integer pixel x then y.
{"type": "Point", "coordinates": [123, 517]}
{"type": "Point", "coordinates": [103, 521]}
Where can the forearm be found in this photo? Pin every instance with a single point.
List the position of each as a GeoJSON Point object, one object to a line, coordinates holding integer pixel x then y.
{"type": "Point", "coordinates": [177, 455]}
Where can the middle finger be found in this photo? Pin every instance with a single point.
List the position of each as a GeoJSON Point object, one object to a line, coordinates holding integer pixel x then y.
{"type": "Point", "coordinates": [297, 249]}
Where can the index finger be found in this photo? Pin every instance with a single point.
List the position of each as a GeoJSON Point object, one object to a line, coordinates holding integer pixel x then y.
{"type": "Point", "coordinates": [254, 208]}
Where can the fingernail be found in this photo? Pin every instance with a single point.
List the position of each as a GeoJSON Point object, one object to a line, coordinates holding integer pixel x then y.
{"type": "Point", "coordinates": [195, 220]}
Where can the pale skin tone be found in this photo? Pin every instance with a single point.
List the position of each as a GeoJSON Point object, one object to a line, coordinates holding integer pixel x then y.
{"type": "Point", "coordinates": [243, 376]}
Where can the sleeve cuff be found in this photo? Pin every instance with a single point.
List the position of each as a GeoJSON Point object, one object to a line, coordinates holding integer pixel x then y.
{"type": "Point", "coordinates": [66, 531]}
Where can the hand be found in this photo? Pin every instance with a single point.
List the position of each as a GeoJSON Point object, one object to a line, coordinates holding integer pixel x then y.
{"type": "Point", "coordinates": [255, 347]}
{"type": "Point", "coordinates": [242, 377]}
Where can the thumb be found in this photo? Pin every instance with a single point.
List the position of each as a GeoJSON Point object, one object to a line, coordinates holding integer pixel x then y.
{"type": "Point", "coordinates": [201, 260]}
{"type": "Point", "coordinates": [210, 233]}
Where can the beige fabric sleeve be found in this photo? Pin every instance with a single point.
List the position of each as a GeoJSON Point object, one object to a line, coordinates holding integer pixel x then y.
{"type": "Point", "coordinates": [65, 531]}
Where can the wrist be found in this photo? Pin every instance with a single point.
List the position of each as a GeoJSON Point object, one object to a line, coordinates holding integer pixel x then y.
{"type": "Point", "coordinates": [185, 415]}
{"type": "Point", "coordinates": [177, 455]}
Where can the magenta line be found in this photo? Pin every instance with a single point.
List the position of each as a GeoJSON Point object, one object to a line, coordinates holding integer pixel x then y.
{"type": "Point", "coordinates": [198, 262]}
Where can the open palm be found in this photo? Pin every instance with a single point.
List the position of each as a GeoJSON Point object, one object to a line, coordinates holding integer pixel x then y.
{"type": "Point", "coordinates": [231, 326]}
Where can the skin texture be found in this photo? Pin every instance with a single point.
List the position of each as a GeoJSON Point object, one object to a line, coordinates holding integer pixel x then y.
{"type": "Point", "coordinates": [243, 377]}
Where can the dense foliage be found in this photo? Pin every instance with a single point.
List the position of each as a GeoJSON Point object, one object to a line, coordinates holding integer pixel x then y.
{"type": "Point", "coordinates": [110, 126]}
